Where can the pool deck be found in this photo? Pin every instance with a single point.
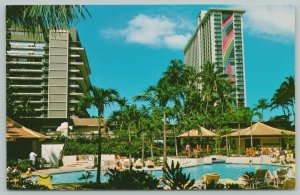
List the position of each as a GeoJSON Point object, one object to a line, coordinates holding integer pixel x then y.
{"type": "Point", "coordinates": [188, 162]}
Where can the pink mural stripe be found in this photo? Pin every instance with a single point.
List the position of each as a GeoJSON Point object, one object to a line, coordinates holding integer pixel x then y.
{"type": "Point", "coordinates": [227, 41]}
{"type": "Point", "coordinates": [225, 22]}
{"type": "Point", "coordinates": [229, 69]}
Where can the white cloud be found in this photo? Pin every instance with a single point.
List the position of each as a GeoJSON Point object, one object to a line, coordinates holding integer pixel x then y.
{"type": "Point", "coordinates": [272, 21]}
{"type": "Point", "coordinates": [176, 41]}
{"type": "Point", "coordinates": [157, 31]}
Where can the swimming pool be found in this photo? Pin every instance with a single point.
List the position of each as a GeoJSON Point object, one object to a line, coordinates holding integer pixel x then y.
{"type": "Point", "coordinates": [232, 171]}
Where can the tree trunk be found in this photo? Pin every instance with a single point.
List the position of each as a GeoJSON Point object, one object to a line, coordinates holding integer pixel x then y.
{"type": "Point", "coordinates": [251, 137]}
{"type": "Point", "coordinates": [151, 145]}
{"type": "Point", "coordinates": [129, 150]}
{"type": "Point", "coordinates": [165, 147]}
{"type": "Point", "coordinates": [189, 154]}
{"type": "Point", "coordinates": [226, 145]}
{"type": "Point", "coordinates": [176, 147]}
{"type": "Point", "coordinates": [239, 139]}
{"type": "Point", "coordinates": [99, 152]}
{"type": "Point", "coordinates": [143, 147]}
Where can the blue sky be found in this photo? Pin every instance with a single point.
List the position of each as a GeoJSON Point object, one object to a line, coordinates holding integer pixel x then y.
{"type": "Point", "coordinates": [128, 47]}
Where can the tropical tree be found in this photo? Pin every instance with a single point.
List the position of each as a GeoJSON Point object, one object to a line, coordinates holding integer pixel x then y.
{"type": "Point", "coordinates": [284, 97]}
{"type": "Point", "coordinates": [132, 119]}
{"type": "Point", "coordinates": [241, 115]}
{"type": "Point", "coordinates": [143, 126]}
{"type": "Point", "coordinates": [155, 126]}
{"type": "Point", "coordinates": [44, 17]}
{"type": "Point", "coordinates": [160, 96]}
{"type": "Point", "coordinates": [24, 108]}
{"type": "Point", "coordinates": [214, 86]}
{"type": "Point", "coordinates": [83, 104]}
{"type": "Point", "coordinates": [101, 98]}
{"type": "Point", "coordinates": [262, 104]}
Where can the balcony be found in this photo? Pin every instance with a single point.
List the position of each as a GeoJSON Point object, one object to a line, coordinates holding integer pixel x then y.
{"type": "Point", "coordinates": [74, 71]}
{"type": "Point", "coordinates": [29, 94]}
{"type": "Point", "coordinates": [75, 56]}
{"type": "Point", "coordinates": [74, 101]}
{"type": "Point", "coordinates": [76, 94]}
{"type": "Point", "coordinates": [74, 86]}
{"type": "Point", "coordinates": [27, 86]}
{"type": "Point", "coordinates": [76, 63]}
{"type": "Point", "coordinates": [25, 78]}
{"type": "Point", "coordinates": [77, 48]}
{"type": "Point", "coordinates": [27, 47]}
{"type": "Point", "coordinates": [26, 70]}
{"type": "Point", "coordinates": [26, 55]}
{"type": "Point", "coordinates": [30, 63]}
{"type": "Point", "coordinates": [40, 109]}
{"type": "Point", "coordinates": [33, 101]}
{"type": "Point", "coordinates": [77, 78]}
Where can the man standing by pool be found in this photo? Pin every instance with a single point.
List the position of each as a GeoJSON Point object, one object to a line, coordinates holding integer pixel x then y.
{"type": "Point", "coordinates": [32, 157]}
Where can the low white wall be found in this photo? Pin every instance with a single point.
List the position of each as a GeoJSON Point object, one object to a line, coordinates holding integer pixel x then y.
{"type": "Point", "coordinates": [68, 160]}
{"type": "Point", "coordinates": [243, 160]}
{"type": "Point", "coordinates": [264, 159]}
{"type": "Point", "coordinates": [185, 162]}
{"type": "Point", "coordinates": [52, 153]}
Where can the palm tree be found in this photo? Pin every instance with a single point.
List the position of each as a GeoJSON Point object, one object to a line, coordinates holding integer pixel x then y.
{"type": "Point", "coordinates": [143, 123]}
{"type": "Point", "coordinates": [262, 104]}
{"type": "Point", "coordinates": [241, 115]}
{"type": "Point", "coordinates": [82, 106]}
{"type": "Point", "coordinates": [132, 118]}
{"type": "Point", "coordinates": [160, 96]}
{"type": "Point", "coordinates": [101, 98]}
{"type": "Point", "coordinates": [154, 126]}
{"type": "Point", "coordinates": [32, 18]}
{"type": "Point", "coordinates": [284, 97]}
{"type": "Point", "coordinates": [215, 88]}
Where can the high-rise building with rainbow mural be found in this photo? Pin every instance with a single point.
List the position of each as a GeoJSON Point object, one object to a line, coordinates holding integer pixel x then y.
{"type": "Point", "coordinates": [219, 39]}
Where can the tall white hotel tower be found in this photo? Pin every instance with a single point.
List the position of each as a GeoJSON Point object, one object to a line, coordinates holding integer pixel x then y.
{"type": "Point", "coordinates": [219, 39]}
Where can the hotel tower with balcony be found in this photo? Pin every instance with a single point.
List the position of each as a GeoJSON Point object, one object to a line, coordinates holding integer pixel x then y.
{"type": "Point", "coordinates": [52, 73]}
{"type": "Point", "coordinates": [219, 39]}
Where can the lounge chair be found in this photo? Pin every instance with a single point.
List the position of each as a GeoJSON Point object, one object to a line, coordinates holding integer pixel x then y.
{"type": "Point", "coordinates": [262, 177]}
{"type": "Point", "coordinates": [289, 184]}
{"type": "Point", "coordinates": [290, 158]}
{"type": "Point", "coordinates": [149, 164]}
{"type": "Point", "coordinates": [210, 177]}
{"type": "Point", "coordinates": [281, 175]}
{"type": "Point", "coordinates": [293, 169]}
{"type": "Point", "coordinates": [138, 164]}
{"type": "Point", "coordinates": [45, 180]}
{"type": "Point", "coordinates": [195, 154]}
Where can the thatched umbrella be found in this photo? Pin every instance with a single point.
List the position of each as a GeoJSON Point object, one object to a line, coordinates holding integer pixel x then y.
{"type": "Point", "coordinates": [260, 130]}
{"type": "Point", "coordinates": [195, 133]}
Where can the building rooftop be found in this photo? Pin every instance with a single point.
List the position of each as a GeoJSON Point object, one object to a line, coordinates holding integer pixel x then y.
{"type": "Point", "coordinates": [88, 122]}
{"type": "Point", "coordinates": [16, 131]}
{"type": "Point", "coordinates": [226, 9]}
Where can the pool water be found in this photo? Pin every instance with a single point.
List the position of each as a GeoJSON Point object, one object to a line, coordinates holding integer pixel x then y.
{"type": "Point", "coordinates": [232, 171]}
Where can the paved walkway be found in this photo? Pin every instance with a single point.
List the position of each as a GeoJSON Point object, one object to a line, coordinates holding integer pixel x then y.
{"type": "Point", "coordinates": [76, 166]}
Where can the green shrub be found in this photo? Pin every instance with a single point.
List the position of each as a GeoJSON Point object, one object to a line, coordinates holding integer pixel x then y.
{"type": "Point", "coordinates": [23, 165]}
{"type": "Point", "coordinates": [12, 163]}
{"type": "Point", "coordinates": [249, 177]}
{"type": "Point", "coordinates": [86, 176]}
{"type": "Point", "coordinates": [176, 178]}
{"type": "Point", "coordinates": [131, 180]}
{"type": "Point", "coordinates": [16, 182]}
{"type": "Point", "coordinates": [215, 186]}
